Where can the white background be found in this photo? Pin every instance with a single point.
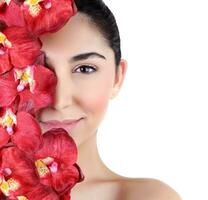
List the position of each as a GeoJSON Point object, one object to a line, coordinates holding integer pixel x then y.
{"type": "Point", "coordinates": [157, 126]}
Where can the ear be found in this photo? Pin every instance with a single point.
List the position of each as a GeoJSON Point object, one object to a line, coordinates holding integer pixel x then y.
{"type": "Point", "coordinates": [119, 78]}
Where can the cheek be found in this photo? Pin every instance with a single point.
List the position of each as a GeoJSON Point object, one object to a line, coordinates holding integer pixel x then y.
{"type": "Point", "coordinates": [96, 94]}
{"type": "Point", "coordinates": [96, 101]}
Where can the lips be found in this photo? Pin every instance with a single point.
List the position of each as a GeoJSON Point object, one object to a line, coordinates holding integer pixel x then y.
{"type": "Point", "coordinates": [66, 124]}
{"type": "Point", "coordinates": [56, 122]}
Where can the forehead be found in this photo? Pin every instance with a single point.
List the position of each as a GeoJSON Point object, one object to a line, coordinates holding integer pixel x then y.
{"type": "Point", "coordinates": [79, 34]}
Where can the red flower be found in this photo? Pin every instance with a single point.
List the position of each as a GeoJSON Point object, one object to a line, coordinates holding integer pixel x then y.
{"type": "Point", "coordinates": [56, 161]}
{"type": "Point", "coordinates": [44, 16]}
{"type": "Point", "coordinates": [23, 129]}
{"type": "Point", "coordinates": [11, 13]}
{"type": "Point", "coordinates": [34, 85]}
{"type": "Point", "coordinates": [18, 48]}
{"type": "Point", "coordinates": [18, 177]}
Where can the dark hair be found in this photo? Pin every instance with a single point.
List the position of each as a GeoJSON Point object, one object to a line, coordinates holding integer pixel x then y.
{"type": "Point", "coordinates": [105, 21]}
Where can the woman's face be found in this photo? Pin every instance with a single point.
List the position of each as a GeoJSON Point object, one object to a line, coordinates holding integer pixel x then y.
{"type": "Point", "coordinates": [82, 91]}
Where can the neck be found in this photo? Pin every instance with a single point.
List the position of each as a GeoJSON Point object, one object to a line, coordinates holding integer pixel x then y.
{"type": "Point", "coordinates": [90, 162]}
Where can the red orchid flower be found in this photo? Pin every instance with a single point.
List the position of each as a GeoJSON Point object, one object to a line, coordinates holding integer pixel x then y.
{"type": "Point", "coordinates": [18, 48]}
{"type": "Point", "coordinates": [18, 174]}
{"type": "Point", "coordinates": [11, 13]}
{"type": "Point", "coordinates": [44, 16]}
{"type": "Point", "coordinates": [18, 177]}
{"type": "Point", "coordinates": [56, 161]}
{"type": "Point", "coordinates": [34, 85]}
{"type": "Point", "coordinates": [23, 130]}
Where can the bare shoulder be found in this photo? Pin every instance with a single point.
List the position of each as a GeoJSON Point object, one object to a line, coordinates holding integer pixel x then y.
{"type": "Point", "coordinates": [146, 189]}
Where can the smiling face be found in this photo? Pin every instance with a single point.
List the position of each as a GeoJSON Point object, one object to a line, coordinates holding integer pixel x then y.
{"type": "Point", "coordinates": [85, 68]}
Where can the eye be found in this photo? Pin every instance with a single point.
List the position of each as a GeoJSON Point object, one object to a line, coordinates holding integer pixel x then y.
{"type": "Point", "coordinates": [86, 69]}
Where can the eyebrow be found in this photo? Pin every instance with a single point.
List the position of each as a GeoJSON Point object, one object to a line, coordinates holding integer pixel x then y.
{"type": "Point", "coordinates": [85, 56]}
{"type": "Point", "coordinates": [79, 57]}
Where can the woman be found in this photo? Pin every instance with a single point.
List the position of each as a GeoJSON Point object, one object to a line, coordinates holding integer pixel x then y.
{"type": "Point", "coordinates": [85, 55]}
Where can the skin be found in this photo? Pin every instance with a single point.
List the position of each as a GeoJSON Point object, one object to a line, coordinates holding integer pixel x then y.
{"type": "Point", "coordinates": [88, 95]}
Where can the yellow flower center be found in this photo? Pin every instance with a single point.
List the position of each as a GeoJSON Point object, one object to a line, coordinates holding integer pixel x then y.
{"type": "Point", "coordinates": [4, 41]}
{"type": "Point", "coordinates": [45, 166]}
{"type": "Point", "coordinates": [34, 7]}
{"type": "Point", "coordinates": [2, 38]}
{"type": "Point", "coordinates": [26, 78]}
{"type": "Point", "coordinates": [4, 187]}
{"type": "Point", "coordinates": [8, 120]}
{"type": "Point", "coordinates": [33, 2]}
{"type": "Point", "coordinates": [13, 184]}
{"type": "Point", "coordinates": [41, 168]}
{"type": "Point", "coordinates": [10, 185]}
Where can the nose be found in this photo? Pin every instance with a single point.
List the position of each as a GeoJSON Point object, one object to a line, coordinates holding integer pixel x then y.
{"type": "Point", "coordinates": [63, 94]}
